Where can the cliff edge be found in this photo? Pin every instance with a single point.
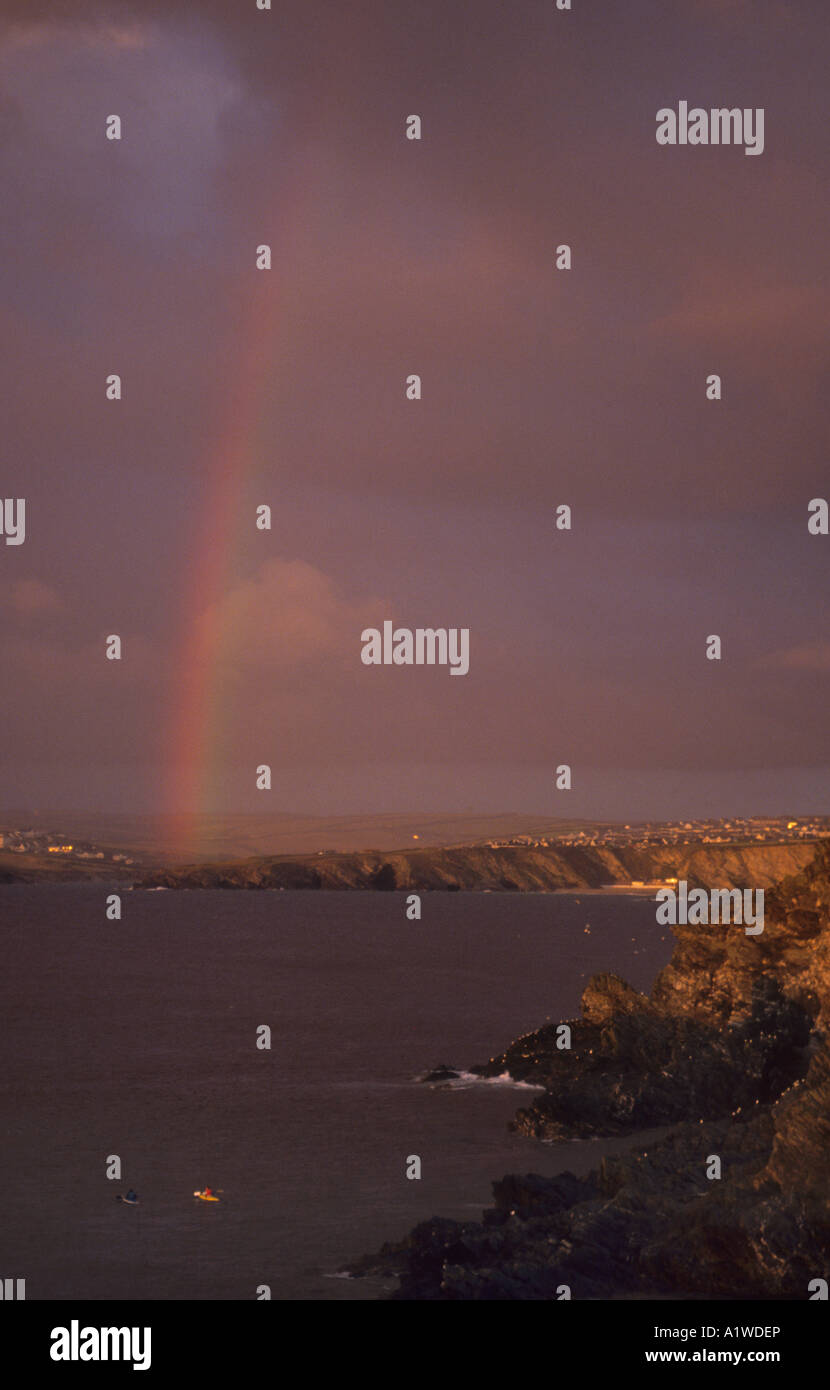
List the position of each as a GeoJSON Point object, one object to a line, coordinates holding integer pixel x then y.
{"type": "Point", "coordinates": [511, 868]}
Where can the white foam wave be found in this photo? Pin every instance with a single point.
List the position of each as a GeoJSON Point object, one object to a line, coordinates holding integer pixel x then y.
{"type": "Point", "coordinates": [471, 1078]}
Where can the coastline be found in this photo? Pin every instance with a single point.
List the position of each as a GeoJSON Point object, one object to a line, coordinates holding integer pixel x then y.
{"type": "Point", "coordinates": [480, 868]}
{"type": "Point", "coordinates": [730, 1052]}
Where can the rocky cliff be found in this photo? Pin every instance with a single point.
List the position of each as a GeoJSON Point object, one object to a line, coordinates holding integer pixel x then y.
{"type": "Point", "coordinates": [514, 868]}
{"type": "Point", "coordinates": [732, 1051]}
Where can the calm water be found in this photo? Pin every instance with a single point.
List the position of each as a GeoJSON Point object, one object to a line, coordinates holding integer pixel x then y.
{"type": "Point", "coordinates": [137, 1038]}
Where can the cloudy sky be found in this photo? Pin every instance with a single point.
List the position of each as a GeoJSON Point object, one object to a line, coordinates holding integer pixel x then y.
{"type": "Point", "coordinates": [540, 387]}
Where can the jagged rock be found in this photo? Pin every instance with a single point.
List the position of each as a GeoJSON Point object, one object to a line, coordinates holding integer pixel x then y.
{"type": "Point", "coordinates": [384, 878]}
{"type": "Point", "coordinates": [442, 1073]}
{"type": "Point", "coordinates": [732, 1048]}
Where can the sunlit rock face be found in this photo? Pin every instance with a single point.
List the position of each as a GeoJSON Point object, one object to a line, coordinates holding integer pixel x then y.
{"type": "Point", "coordinates": [732, 1051]}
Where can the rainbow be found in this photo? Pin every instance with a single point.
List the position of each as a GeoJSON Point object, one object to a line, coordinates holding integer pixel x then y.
{"type": "Point", "coordinates": [196, 697]}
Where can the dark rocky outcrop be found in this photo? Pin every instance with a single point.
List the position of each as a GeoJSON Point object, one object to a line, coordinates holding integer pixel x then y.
{"type": "Point", "coordinates": [732, 1050]}
{"type": "Point", "coordinates": [384, 878]}
{"type": "Point", "coordinates": [441, 1073]}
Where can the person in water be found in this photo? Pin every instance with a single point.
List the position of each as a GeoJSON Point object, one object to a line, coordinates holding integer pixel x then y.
{"type": "Point", "coordinates": [131, 1196]}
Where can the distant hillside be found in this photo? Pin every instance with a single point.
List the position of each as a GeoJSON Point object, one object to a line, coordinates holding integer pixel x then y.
{"type": "Point", "coordinates": [223, 837]}
{"type": "Point", "coordinates": [514, 868]}
{"type": "Point", "coordinates": [57, 868]}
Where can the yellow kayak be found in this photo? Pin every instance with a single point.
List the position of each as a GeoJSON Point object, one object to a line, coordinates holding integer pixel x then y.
{"type": "Point", "coordinates": [203, 1198]}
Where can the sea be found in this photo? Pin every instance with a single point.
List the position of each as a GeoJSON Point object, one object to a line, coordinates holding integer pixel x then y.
{"type": "Point", "coordinates": [133, 1056]}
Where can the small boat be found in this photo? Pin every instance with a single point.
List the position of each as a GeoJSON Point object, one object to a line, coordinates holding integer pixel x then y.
{"type": "Point", "coordinates": [204, 1197]}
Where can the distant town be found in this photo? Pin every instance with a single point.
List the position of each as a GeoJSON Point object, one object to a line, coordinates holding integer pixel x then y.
{"type": "Point", "coordinates": [30, 841]}
{"type": "Point", "coordinates": [737, 830]}
{"type": "Point", "coordinates": [647, 834]}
